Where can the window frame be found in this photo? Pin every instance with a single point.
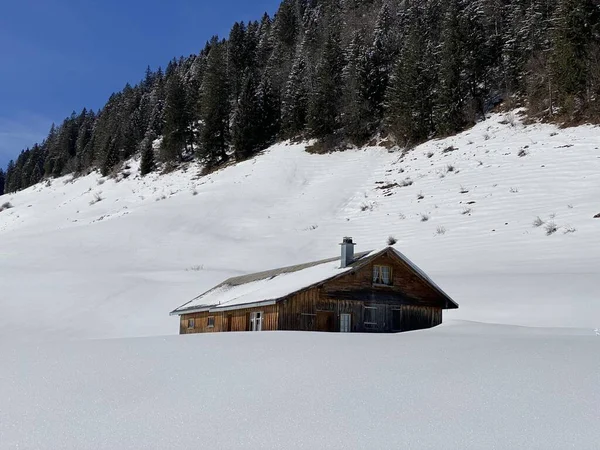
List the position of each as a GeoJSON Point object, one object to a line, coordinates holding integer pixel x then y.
{"type": "Point", "coordinates": [254, 320]}
{"type": "Point", "coordinates": [377, 274]}
{"type": "Point", "coordinates": [208, 320]}
{"type": "Point", "coordinates": [365, 321]}
{"type": "Point", "coordinates": [191, 324]}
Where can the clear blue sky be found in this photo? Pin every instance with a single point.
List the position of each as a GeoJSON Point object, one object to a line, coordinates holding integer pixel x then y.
{"type": "Point", "coordinates": [57, 56]}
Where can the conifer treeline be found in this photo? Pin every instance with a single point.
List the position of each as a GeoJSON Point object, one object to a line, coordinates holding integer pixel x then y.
{"type": "Point", "coordinates": [340, 71]}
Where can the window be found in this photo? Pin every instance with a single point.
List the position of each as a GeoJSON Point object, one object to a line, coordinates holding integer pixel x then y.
{"type": "Point", "coordinates": [370, 317]}
{"type": "Point", "coordinates": [211, 322]}
{"type": "Point", "coordinates": [190, 323]}
{"type": "Point", "coordinates": [307, 321]}
{"type": "Point", "coordinates": [256, 319]}
{"type": "Point", "coordinates": [345, 323]}
{"type": "Point", "coordinates": [382, 275]}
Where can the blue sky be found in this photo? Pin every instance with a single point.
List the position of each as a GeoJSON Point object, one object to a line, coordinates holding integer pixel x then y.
{"type": "Point", "coordinates": [57, 56]}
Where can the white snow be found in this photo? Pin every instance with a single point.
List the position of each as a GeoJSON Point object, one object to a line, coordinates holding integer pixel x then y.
{"type": "Point", "coordinates": [457, 387]}
{"type": "Point", "coordinates": [73, 268]}
{"type": "Point", "coordinates": [270, 288]}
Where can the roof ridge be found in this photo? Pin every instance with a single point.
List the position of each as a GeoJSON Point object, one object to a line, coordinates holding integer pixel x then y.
{"type": "Point", "coordinates": [263, 274]}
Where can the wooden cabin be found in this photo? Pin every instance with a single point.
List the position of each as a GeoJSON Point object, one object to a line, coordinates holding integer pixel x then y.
{"type": "Point", "coordinates": [375, 291]}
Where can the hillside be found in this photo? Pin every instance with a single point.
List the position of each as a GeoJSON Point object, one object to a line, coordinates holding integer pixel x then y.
{"type": "Point", "coordinates": [514, 367]}
{"type": "Point", "coordinates": [73, 266]}
{"type": "Point", "coordinates": [340, 72]}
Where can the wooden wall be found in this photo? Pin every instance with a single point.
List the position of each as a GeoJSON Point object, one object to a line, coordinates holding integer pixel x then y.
{"type": "Point", "coordinates": [237, 320]}
{"type": "Point", "coordinates": [312, 312]}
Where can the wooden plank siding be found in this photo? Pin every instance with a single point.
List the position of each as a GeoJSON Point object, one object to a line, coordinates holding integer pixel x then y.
{"type": "Point", "coordinates": [301, 312]}
{"type": "Point", "coordinates": [240, 320]}
{"type": "Point", "coordinates": [408, 303]}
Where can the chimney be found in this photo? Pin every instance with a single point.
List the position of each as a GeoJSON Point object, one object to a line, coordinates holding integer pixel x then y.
{"type": "Point", "coordinates": [347, 252]}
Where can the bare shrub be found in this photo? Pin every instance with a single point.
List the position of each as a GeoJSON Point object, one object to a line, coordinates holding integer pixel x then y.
{"type": "Point", "coordinates": [196, 268]}
{"type": "Point", "coordinates": [463, 190]}
{"type": "Point", "coordinates": [6, 205]}
{"type": "Point", "coordinates": [440, 230]}
{"type": "Point", "coordinates": [550, 228]}
{"type": "Point", "coordinates": [449, 149]}
{"type": "Point", "coordinates": [513, 190]}
{"type": "Point", "coordinates": [367, 207]}
{"type": "Point", "coordinates": [569, 230]}
{"type": "Point", "coordinates": [486, 136]}
{"type": "Point", "coordinates": [522, 153]}
{"type": "Point", "coordinates": [391, 240]}
{"type": "Point", "coordinates": [406, 182]}
{"type": "Point", "coordinates": [429, 154]}
{"type": "Point", "coordinates": [401, 216]}
{"type": "Point", "coordinates": [538, 222]}
{"type": "Point", "coordinates": [420, 196]}
{"type": "Point", "coordinates": [97, 198]}
{"type": "Point", "coordinates": [450, 168]}
{"type": "Point", "coordinates": [466, 211]}
{"type": "Point", "coordinates": [424, 217]}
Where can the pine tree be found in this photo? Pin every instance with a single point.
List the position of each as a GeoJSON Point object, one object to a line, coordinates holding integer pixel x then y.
{"type": "Point", "coordinates": [245, 130]}
{"type": "Point", "coordinates": [236, 58]}
{"type": "Point", "coordinates": [11, 178]}
{"type": "Point", "coordinates": [325, 100]}
{"type": "Point", "coordinates": [177, 133]}
{"type": "Point", "coordinates": [376, 66]}
{"type": "Point", "coordinates": [269, 110]}
{"type": "Point", "coordinates": [575, 22]}
{"type": "Point", "coordinates": [214, 109]}
{"type": "Point", "coordinates": [148, 162]}
{"type": "Point", "coordinates": [451, 89]}
{"type": "Point", "coordinates": [295, 101]}
{"type": "Point", "coordinates": [2, 181]}
{"type": "Point", "coordinates": [111, 158]}
{"type": "Point", "coordinates": [409, 106]}
{"type": "Point", "coordinates": [357, 116]}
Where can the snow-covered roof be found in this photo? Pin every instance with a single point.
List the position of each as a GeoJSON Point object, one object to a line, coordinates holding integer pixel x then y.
{"type": "Point", "coordinates": [265, 288]}
{"type": "Point", "coordinates": [268, 286]}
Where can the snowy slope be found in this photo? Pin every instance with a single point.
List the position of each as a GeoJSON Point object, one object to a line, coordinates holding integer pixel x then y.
{"type": "Point", "coordinates": [115, 268]}
{"type": "Point", "coordinates": [74, 267]}
{"type": "Point", "coordinates": [458, 387]}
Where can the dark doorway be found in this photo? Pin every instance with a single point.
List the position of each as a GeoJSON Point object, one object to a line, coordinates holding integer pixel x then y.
{"type": "Point", "coordinates": [396, 320]}
{"type": "Point", "coordinates": [325, 321]}
{"type": "Point", "coordinates": [229, 321]}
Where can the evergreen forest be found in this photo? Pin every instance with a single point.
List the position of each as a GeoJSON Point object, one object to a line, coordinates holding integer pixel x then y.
{"type": "Point", "coordinates": [342, 72]}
